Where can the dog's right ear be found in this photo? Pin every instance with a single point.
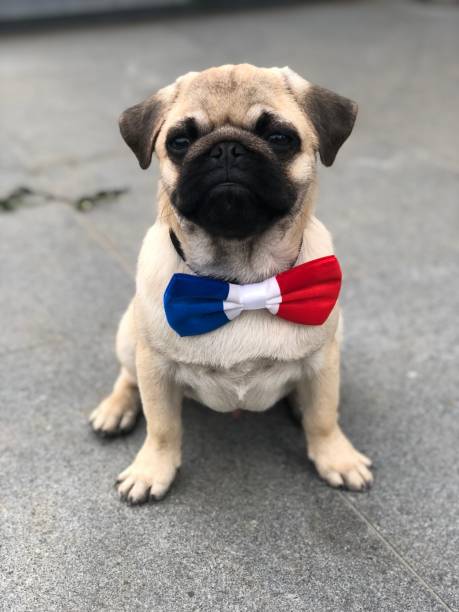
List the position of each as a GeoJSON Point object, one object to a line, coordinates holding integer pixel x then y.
{"type": "Point", "coordinates": [140, 126]}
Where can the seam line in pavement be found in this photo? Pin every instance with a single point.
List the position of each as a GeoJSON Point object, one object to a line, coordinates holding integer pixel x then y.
{"type": "Point", "coordinates": [105, 243]}
{"type": "Point", "coordinates": [401, 559]}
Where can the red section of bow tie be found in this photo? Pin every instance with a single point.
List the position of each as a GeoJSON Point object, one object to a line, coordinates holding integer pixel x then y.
{"type": "Point", "coordinates": [310, 291]}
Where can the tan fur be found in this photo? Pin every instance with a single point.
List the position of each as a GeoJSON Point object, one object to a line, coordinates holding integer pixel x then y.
{"type": "Point", "coordinates": [257, 358]}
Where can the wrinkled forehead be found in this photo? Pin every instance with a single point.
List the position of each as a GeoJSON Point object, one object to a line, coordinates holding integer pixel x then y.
{"type": "Point", "coordinates": [233, 95]}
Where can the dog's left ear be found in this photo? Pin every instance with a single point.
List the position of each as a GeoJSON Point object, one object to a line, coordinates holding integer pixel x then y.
{"type": "Point", "coordinates": [331, 115]}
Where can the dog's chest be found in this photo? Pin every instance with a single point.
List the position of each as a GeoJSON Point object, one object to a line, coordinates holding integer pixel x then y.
{"type": "Point", "coordinates": [251, 385]}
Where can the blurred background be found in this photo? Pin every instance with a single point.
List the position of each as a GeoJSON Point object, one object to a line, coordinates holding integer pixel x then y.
{"type": "Point", "coordinates": [249, 526]}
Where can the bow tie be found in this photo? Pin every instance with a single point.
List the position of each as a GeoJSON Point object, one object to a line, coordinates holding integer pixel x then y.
{"type": "Point", "coordinates": [305, 294]}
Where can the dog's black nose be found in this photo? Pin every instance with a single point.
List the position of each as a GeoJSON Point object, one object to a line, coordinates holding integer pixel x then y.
{"type": "Point", "coordinates": [227, 151]}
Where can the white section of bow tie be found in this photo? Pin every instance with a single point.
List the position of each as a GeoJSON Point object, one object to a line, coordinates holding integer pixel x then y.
{"type": "Point", "coordinates": [254, 296]}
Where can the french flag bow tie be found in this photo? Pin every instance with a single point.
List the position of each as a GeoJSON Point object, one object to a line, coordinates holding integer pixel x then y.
{"type": "Point", "coordinates": [305, 294]}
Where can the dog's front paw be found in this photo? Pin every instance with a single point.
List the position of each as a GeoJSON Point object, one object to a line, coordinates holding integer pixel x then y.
{"type": "Point", "coordinates": [339, 463]}
{"type": "Point", "coordinates": [148, 478]}
{"type": "Point", "coordinates": [114, 416]}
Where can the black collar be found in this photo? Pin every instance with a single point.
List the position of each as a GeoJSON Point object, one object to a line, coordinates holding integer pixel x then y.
{"type": "Point", "coordinates": [176, 244]}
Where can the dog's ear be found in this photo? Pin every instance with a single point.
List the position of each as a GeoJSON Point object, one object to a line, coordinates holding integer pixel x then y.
{"type": "Point", "coordinates": [140, 125]}
{"type": "Point", "coordinates": [333, 118]}
{"type": "Point", "coordinates": [331, 115]}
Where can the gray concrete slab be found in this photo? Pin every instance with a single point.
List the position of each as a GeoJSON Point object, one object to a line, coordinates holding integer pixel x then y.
{"type": "Point", "coordinates": [246, 528]}
{"type": "Point", "coordinates": [262, 532]}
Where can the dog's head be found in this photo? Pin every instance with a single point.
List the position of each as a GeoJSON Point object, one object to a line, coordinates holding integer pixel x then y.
{"type": "Point", "coordinates": [237, 145]}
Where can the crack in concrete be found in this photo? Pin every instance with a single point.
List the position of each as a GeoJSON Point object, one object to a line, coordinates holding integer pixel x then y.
{"type": "Point", "coordinates": [23, 196]}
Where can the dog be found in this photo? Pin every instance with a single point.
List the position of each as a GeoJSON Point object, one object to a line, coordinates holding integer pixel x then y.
{"type": "Point", "coordinates": [237, 147]}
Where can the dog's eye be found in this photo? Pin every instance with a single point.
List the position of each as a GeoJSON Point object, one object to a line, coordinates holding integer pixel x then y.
{"type": "Point", "coordinates": [279, 140]}
{"type": "Point", "coordinates": [179, 144]}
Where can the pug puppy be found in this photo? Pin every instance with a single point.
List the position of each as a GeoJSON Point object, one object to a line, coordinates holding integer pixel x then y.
{"type": "Point", "coordinates": [237, 148]}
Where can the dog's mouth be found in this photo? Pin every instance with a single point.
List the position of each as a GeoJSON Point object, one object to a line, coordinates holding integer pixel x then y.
{"type": "Point", "coordinates": [229, 210]}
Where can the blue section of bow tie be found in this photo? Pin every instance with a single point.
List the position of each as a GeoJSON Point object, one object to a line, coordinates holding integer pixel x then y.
{"type": "Point", "coordinates": [194, 304]}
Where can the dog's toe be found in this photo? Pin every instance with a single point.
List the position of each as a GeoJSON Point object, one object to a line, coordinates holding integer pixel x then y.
{"type": "Point", "coordinates": [139, 493]}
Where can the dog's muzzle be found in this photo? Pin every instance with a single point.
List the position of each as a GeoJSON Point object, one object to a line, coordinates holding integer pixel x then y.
{"type": "Point", "coordinates": [233, 190]}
